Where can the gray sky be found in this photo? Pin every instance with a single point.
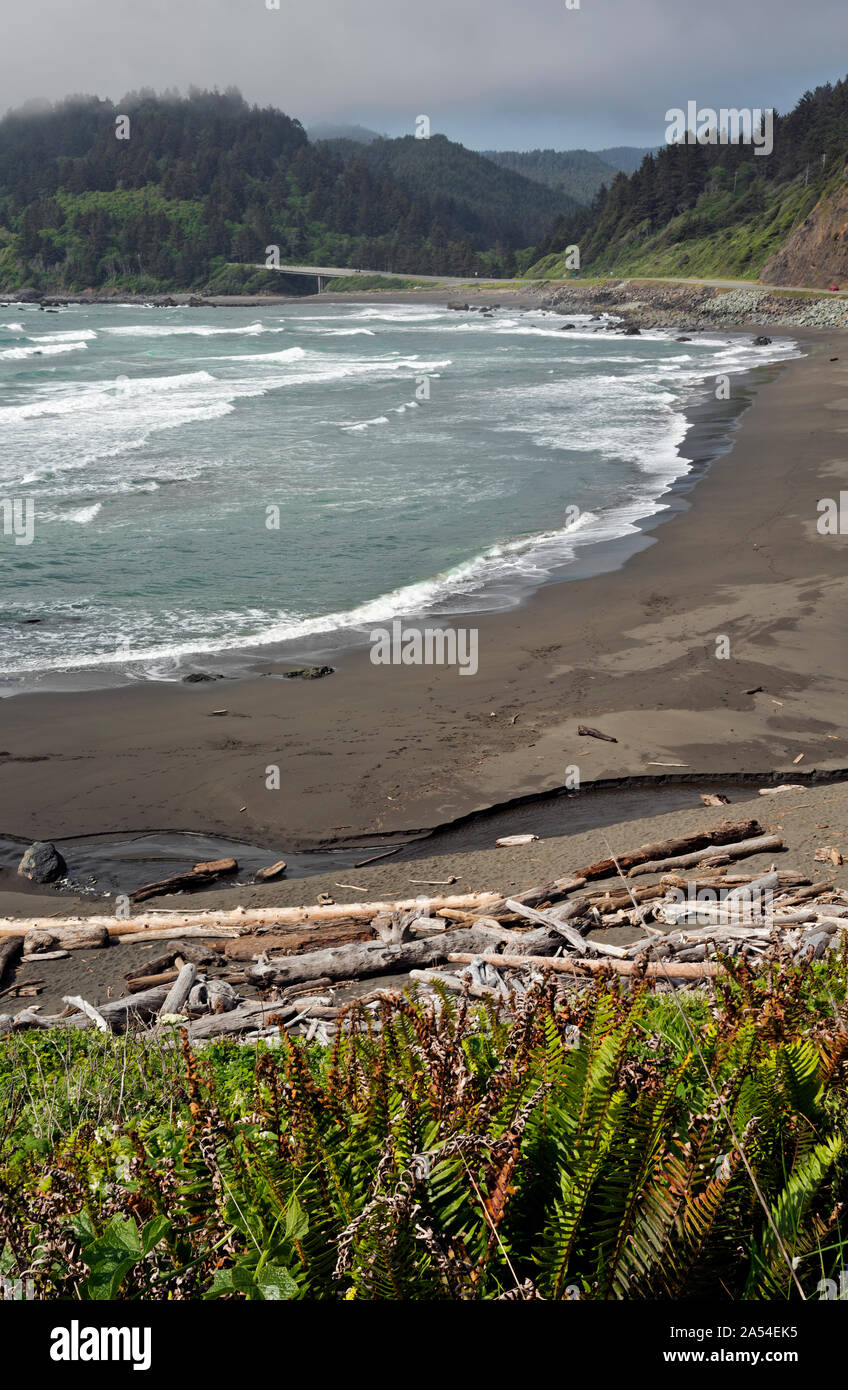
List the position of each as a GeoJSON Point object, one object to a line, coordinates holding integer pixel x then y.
{"type": "Point", "coordinates": [487, 72]}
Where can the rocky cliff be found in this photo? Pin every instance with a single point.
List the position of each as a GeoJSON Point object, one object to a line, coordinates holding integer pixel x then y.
{"type": "Point", "coordinates": [816, 253]}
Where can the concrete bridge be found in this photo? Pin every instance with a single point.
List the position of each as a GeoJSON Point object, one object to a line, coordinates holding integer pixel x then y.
{"type": "Point", "coordinates": [323, 273]}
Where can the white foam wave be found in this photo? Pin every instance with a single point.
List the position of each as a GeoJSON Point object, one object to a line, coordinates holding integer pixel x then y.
{"type": "Point", "coordinates": [85, 514]}
{"type": "Point", "coordinates": [80, 335]}
{"type": "Point", "coordinates": [366, 424]}
{"type": "Point", "coordinates": [50, 350]}
{"type": "Point", "coordinates": [345, 332]}
{"type": "Point", "coordinates": [292, 354]}
{"type": "Point", "coordinates": [531, 557]}
{"type": "Point", "coordinates": [95, 395]}
{"type": "Point", "coordinates": [199, 330]}
{"type": "Point", "coordinates": [631, 415]}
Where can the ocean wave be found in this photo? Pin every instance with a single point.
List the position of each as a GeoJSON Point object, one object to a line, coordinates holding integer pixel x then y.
{"type": "Point", "coordinates": [85, 514]}
{"type": "Point", "coordinates": [366, 424]}
{"type": "Point", "coordinates": [346, 332]}
{"type": "Point", "coordinates": [75, 335]}
{"type": "Point", "coordinates": [198, 330]}
{"type": "Point", "coordinates": [530, 558]}
{"type": "Point", "coordinates": [388, 313]}
{"type": "Point", "coordinates": [292, 354]}
{"type": "Point", "coordinates": [611, 416]}
{"type": "Point", "coordinates": [95, 395]}
{"type": "Point", "coordinates": [50, 350]}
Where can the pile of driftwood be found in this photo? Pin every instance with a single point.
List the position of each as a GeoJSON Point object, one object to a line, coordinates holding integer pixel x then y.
{"type": "Point", "coordinates": [309, 970]}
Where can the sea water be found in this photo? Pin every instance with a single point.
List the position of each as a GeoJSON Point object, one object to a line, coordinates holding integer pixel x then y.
{"type": "Point", "coordinates": [205, 482]}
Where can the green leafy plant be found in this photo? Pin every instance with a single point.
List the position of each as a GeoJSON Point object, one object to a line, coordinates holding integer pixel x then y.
{"type": "Point", "coordinates": [590, 1143]}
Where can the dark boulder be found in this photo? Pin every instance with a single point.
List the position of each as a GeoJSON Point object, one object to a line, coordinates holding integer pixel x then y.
{"type": "Point", "coordinates": [762, 341]}
{"type": "Point", "coordinates": [42, 863]}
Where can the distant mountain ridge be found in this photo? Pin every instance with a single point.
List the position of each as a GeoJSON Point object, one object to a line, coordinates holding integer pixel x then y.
{"type": "Point", "coordinates": [459, 182]}
{"type": "Point", "coordinates": [626, 158]}
{"type": "Point", "coordinates": [328, 130]}
{"type": "Point", "coordinates": [580, 174]}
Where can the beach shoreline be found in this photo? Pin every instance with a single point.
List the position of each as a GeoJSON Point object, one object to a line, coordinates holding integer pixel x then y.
{"type": "Point", "coordinates": [573, 549]}
{"type": "Point", "coordinates": [382, 750]}
{"type": "Point", "coordinates": [710, 427]}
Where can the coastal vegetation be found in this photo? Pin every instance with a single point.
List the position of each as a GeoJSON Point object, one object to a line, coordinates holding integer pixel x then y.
{"type": "Point", "coordinates": [719, 210]}
{"type": "Point", "coordinates": [607, 1142]}
{"type": "Point", "coordinates": [179, 193]}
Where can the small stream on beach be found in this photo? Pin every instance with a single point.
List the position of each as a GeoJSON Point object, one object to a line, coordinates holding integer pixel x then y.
{"type": "Point", "coordinates": [100, 864]}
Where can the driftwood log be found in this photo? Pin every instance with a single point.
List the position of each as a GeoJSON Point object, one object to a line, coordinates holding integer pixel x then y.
{"type": "Point", "coordinates": [197, 877]}
{"type": "Point", "coordinates": [585, 731]}
{"type": "Point", "coordinates": [547, 919]}
{"type": "Point", "coordinates": [180, 989]}
{"type": "Point", "coordinates": [96, 1016]}
{"type": "Point", "coordinates": [10, 949]}
{"type": "Point", "coordinates": [370, 958]}
{"type": "Point", "coordinates": [726, 833]}
{"type": "Point", "coordinates": [575, 966]}
{"type": "Point", "coordinates": [241, 919]}
{"type": "Point", "coordinates": [761, 844]}
{"type": "Point", "coordinates": [453, 982]}
{"type": "Point", "coordinates": [64, 939]}
{"type": "Point", "coordinates": [138, 983]}
{"type": "Point", "coordinates": [531, 897]}
{"type": "Point", "coordinates": [307, 938]}
{"type": "Point", "coordinates": [118, 1013]}
{"type": "Point", "coordinates": [252, 1014]}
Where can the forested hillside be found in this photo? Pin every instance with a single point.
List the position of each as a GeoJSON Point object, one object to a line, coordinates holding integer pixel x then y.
{"type": "Point", "coordinates": [464, 189]}
{"type": "Point", "coordinates": [722, 210]}
{"type": "Point", "coordinates": [207, 180]}
{"type": "Point", "coordinates": [579, 174]}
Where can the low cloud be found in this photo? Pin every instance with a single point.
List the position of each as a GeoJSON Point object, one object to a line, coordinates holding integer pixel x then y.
{"type": "Point", "coordinates": [485, 71]}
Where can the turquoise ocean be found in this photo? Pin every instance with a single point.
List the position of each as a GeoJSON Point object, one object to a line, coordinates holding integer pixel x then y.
{"type": "Point", "coordinates": [205, 483]}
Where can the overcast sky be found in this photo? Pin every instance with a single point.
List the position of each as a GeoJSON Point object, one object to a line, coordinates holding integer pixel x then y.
{"type": "Point", "coordinates": [487, 72]}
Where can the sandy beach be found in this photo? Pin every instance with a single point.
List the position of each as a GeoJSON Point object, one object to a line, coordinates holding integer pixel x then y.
{"type": "Point", "coordinates": [373, 750]}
